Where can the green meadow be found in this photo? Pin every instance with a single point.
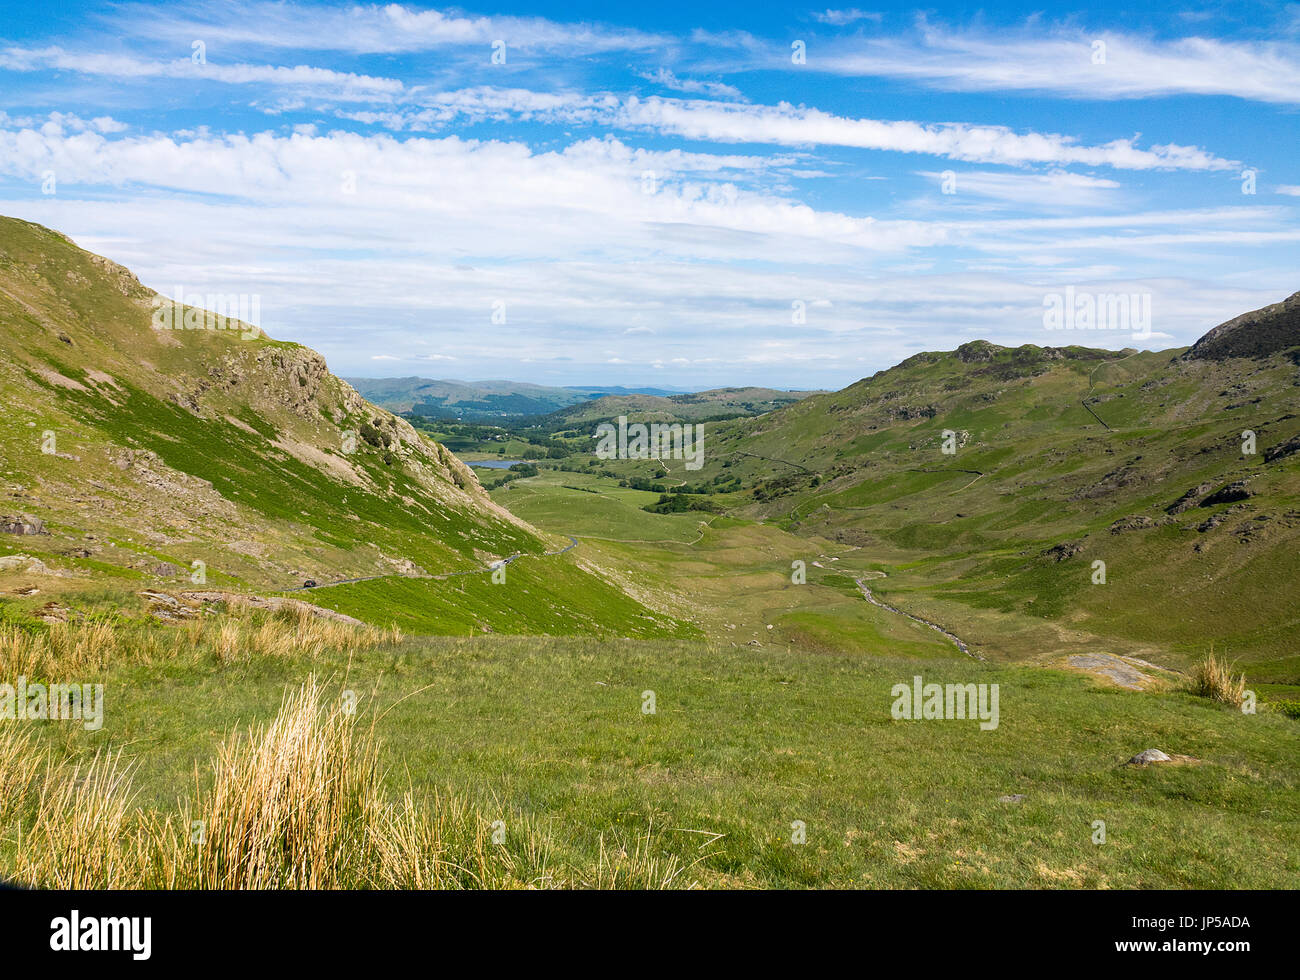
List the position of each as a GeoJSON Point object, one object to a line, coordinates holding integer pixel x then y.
{"type": "Point", "coordinates": [550, 736]}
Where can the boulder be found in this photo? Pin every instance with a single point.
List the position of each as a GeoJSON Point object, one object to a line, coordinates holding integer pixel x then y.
{"type": "Point", "coordinates": [23, 524]}
{"type": "Point", "coordinates": [1234, 491]}
{"type": "Point", "coordinates": [1149, 756]}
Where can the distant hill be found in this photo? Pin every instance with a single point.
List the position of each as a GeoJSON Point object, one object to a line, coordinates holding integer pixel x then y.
{"type": "Point", "coordinates": [1180, 473]}
{"type": "Point", "coordinates": [687, 407]}
{"type": "Point", "coordinates": [480, 401]}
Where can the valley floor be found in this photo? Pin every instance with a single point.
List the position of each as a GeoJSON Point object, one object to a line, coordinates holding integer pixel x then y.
{"type": "Point", "coordinates": [744, 737]}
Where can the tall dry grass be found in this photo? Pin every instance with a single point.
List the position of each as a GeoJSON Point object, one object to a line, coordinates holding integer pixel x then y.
{"type": "Point", "coordinates": [292, 803]}
{"type": "Point", "coordinates": [296, 802]}
{"type": "Point", "coordinates": [21, 763]}
{"type": "Point", "coordinates": [84, 833]}
{"type": "Point", "coordinates": [1212, 678]}
{"type": "Point", "coordinates": [79, 649]}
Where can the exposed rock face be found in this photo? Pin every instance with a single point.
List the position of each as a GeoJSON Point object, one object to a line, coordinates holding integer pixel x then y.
{"type": "Point", "coordinates": [1256, 334]}
{"type": "Point", "coordinates": [1063, 551]}
{"type": "Point", "coordinates": [1115, 668]}
{"type": "Point", "coordinates": [1282, 450]}
{"type": "Point", "coordinates": [978, 351]}
{"type": "Point", "coordinates": [1188, 500]}
{"type": "Point", "coordinates": [23, 524]}
{"type": "Point", "coordinates": [1136, 523]}
{"type": "Point", "coordinates": [1237, 490]}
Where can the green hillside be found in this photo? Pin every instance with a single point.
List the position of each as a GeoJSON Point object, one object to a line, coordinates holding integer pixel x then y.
{"type": "Point", "coordinates": [133, 451]}
{"type": "Point", "coordinates": [1061, 458]}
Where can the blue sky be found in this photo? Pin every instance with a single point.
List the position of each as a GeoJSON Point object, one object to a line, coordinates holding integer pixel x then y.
{"type": "Point", "coordinates": [677, 194]}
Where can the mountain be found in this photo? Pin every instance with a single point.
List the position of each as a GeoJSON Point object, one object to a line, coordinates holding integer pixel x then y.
{"type": "Point", "coordinates": [1258, 333]}
{"type": "Point", "coordinates": [143, 450]}
{"type": "Point", "coordinates": [1179, 470]}
{"type": "Point", "coordinates": [150, 446]}
{"type": "Point", "coordinates": [478, 401]}
{"type": "Point", "coordinates": [686, 407]}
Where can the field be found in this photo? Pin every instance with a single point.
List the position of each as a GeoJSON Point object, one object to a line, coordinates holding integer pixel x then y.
{"type": "Point", "coordinates": [550, 737]}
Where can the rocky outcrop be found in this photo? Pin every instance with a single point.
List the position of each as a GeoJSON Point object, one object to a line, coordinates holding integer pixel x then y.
{"type": "Point", "coordinates": [1188, 500]}
{"type": "Point", "coordinates": [1231, 493]}
{"type": "Point", "coordinates": [22, 524]}
{"type": "Point", "coordinates": [1063, 551]}
{"type": "Point", "coordinates": [1258, 333]}
{"type": "Point", "coordinates": [1282, 450]}
{"type": "Point", "coordinates": [1138, 522]}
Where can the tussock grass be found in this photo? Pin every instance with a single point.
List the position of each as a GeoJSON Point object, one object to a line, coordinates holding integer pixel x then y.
{"type": "Point", "coordinates": [82, 835]}
{"type": "Point", "coordinates": [80, 649]}
{"type": "Point", "coordinates": [292, 804]}
{"type": "Point", "coordinates": [638, 867]}
{"type": "Point", "coordinates": [1212, 678]}
{"type": "Point", "coordinates": [21, 762]}
{"type": "Point", "coordinates": [296, 802]}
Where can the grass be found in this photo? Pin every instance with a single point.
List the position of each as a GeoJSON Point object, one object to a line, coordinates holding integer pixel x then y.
{"type": "Point", "coordinates": [548, 736]}
{"type": "Point", "coordinates": [539, 595]}
{"type": "Point", "coordinates": [1212, 678]}
{"type": "Point", "coordinates": [297, 802]}
{"type": "Point", "coordinates": [611, 512]}
{"type": "Point", "coordinates": [75, 649]}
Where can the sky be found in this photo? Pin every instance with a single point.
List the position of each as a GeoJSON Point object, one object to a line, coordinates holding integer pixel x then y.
{"type": "Point", "coordinates": [671, 194]}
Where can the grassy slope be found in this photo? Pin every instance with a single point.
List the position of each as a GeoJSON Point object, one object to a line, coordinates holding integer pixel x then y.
{"type": "Point", "coordinates": [177, 446]}
{"type": "Point", "coordinates": [966, 549]}
{"type": "Point", "coordinates": [745, 742]}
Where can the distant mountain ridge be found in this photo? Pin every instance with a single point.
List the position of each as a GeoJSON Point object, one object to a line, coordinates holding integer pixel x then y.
{"type": "Point", "coordinates": [478, 401]}
{"type": "Point", "coordinates": [689, 407]}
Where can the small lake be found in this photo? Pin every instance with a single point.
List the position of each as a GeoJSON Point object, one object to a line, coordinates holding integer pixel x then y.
{"type": "Point", "coordinates": [494, 464]}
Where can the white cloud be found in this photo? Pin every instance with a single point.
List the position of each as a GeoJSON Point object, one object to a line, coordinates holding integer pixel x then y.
{"type": "Point", "coordinates": [1056, 189]}
{"type": "Point", "coordinates": [717, 90]}
{"type": "Point", "coordinates": [368, 28]}
{"type": "Point", "coordinates": [788, 125]}
{"type": "Point", "coordinates": [1061, 62]}
{"type": "Point", "coordinates": [841, 18]}
{"type": "Point", "coordinates": [123, 66]}
{"type": "Point", "coordinates": [798, 126]}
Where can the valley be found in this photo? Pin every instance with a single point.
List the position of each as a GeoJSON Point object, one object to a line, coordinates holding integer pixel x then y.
{"type": "Point", "coordinates": [632, 672]}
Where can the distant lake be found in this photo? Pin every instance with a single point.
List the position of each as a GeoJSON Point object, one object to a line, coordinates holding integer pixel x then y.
{"type": "Point", "coordinates": [494, 464]}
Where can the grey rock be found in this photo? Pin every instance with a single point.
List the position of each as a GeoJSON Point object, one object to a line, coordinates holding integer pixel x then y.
{"type": "Point", "coordinates": [1283, 450]}
{"type": "Point", "coordinates": [23, 524]}
{"type": "Point", "coordinates": [1148, 757]}
{"type": "Point", "coordinates": [1234, 491]}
